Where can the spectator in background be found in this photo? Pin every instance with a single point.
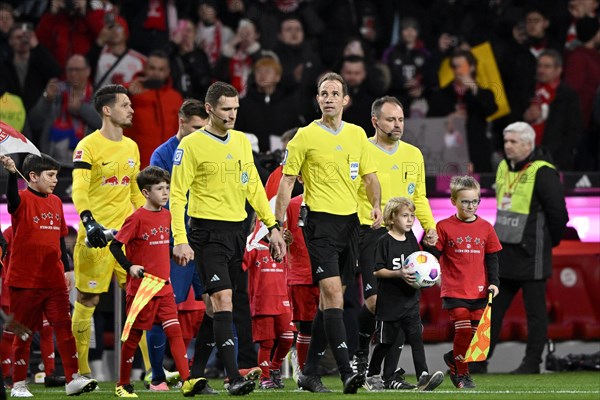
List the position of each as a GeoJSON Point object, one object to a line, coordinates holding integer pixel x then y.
{"type": "Point", "coordinates": [65, 114]}
{"type": "Point", "coordinates": [269, 15]}
{"type": "Point", "coordinates": [65, 29]}
{"type": "Point", "coordinates": [211, 34]}
{"type": "Point", "coordinates": [112, 61]}
{"type": "Point", "coordinates": [343, 20]}
{"type": "Point", "coordinates": [150, 23]}
{"type": "Point", "coordinates": [578, 9]}
{"type": "Point", "coordinates": [7, 21]}
{"type": "Point", "coordinates": [537, 205]}
{"type": "Point", "coordinates": [406, 61]}
{"type": "Point", "coordinates": [266, 102]}
{"type": "Point", "coordinates": [357, 110]}
{"type": "Point", "coordinates": [378, 75]}
{"type": "Point", "coordinates": [582, 73]}
{"type": "Point", "coordinates": [554, 111]}
{"type": "Point", "coordinates": [464, 97]}
{"type": "Point", "coordinates": [190, 68]}
{"type": "Point", "coordinates": [238, 55]}
{"type": "Point", "coordinates": [156, 106]}
{"type": "Point", "coordinates": [301, 65]}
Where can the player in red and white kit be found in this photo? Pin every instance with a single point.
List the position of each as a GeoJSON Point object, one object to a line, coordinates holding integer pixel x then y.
{"type": "Point", "coordinates": [270, 310]}
{"type": "Point", "coordinates": [304, 295]}
{"type": "Point", "coordinates": [469, 250]}
{"type": "Point", "coordinates": [146, 236]}
{"type": "Point", "coordinates": [35, 275]}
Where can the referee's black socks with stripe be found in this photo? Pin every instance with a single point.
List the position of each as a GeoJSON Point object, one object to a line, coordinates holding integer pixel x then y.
{"type": "Point", "coordinates": [205, 342]}
{"type": "Point", "coordinates": [318, 343]}
{"type": "Point", "coordinates": [223, 331]}
{"type": "Point", "coordinates": [366, 327]}
{"type": "Point", "coordinates": [333, 322]}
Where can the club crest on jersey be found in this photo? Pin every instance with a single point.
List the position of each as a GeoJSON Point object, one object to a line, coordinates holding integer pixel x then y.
{"type": "Point", "coordinates": [245, 178]}
{"type": "Point", "coordinates": [354, 170]}
{"type": "Point", "coordinates": [177, 157]}
{"type": "Point", "coordinates": [411, 188]}
{"type": "Point", "coordinates": [131, 162]}
{"type": "Point", "coordinates": [78, 155]}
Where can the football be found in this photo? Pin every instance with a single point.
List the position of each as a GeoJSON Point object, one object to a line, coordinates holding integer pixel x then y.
{"type": "Point", "coordinates": [426, 267]}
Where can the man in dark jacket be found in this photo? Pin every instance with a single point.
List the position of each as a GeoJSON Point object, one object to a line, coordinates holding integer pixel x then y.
{"type": "Point", "coordinates": [531, 218]}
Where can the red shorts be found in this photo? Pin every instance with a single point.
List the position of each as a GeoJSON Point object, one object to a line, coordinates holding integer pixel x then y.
{"type": "Point", "coordinates": [30, 306]}
{"type": "Point", "coordinates": [157, 310]}
{"type": "Point", "coordinates": [304, 300]}
{"type": "Point", "coordinates": [267, 327]}
{"type": "Point", "coordinates": [461, 314]}
{"type": "Point", "coordinates": [190, 321]}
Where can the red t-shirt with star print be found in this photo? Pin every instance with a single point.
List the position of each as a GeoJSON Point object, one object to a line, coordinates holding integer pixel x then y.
{"type": "Point", "coordinates": [463, 246]}
{"type": "Point", "coordinates": [145, 235]}
{"type": "Point", "coordinates": [38, 224]}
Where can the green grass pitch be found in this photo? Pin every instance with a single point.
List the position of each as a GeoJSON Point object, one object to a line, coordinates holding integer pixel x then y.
{"type": "Point", "coordinates": [567, 385]}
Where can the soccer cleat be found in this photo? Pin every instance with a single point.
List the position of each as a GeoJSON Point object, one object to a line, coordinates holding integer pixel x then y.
{"type": "Point", "coordinates": [451, 363]}
{"type": "Point", "coordinates": [275, 376]}
{"type": "Point", "coordinates": [353, 382]}
{"type": "Point", "coordinates": [251, 374]}
{"type": "Point", "coordinates": [296, 370]}
{"type": "Point", "coordinates": [374, 383]}
{"type": "Point", "coordinates": [125, 391]}
{"type": "Point", "coordinates": [397, 382]}
{"type": "Point", "coordinates": [240, 386]}
{"type": "Point", "coordinates": [312, 383]}
{"type": "Point", "coordinates": [267, 384]}
{"type": "Point", "coordinates": [20, 389]}
{"type": "Point", "coordinates": [465, 382]}
{"type": "Point", "coordinates": [208, 390]}
{"type": "Point", "coordinates": [429, 382]}
{"type": "Point", "coordinates": [360, 362]}
{"type": "Point", "coordinates": [80, 384]}
{"type": "Point", "coordinates": [192, 386]}
{"type": "Point", "coordinates": [54, 381]}
{"type": "Point", "coordinates": [172, 378]}
{"type": "Point", "coordinates": [161, 387]}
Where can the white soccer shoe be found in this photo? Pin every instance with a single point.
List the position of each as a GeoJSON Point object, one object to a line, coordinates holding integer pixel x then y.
{"type": "Point", "coordinates": [20, 389]}
{"type": "Point", "coordinates": [80, 384]}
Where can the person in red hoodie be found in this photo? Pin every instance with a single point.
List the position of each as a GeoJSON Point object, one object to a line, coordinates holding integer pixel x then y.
{"type": "Point", "coordinates": [156, 106]}
{"type": "Point", "coordinates": [65, 29]}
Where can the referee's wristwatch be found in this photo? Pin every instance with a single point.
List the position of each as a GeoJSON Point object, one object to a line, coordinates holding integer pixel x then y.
{"type": "Point", "coordinates": [278, 225]}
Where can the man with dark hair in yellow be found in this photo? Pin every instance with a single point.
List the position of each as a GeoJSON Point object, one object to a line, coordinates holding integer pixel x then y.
{"type": "Point", "coordinates": [215, 164]}
{"type": "Point", "coordinates": [105, 164]}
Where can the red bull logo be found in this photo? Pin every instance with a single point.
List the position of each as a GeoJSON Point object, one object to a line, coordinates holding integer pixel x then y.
{"type": "Point", "coordinates": [126, 180]}
{"type": "Point", "coordinates": [113, 181]}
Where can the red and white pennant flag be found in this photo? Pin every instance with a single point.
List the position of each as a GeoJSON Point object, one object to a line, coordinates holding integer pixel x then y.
{"type": "Point", "coordinates": [12, 141]}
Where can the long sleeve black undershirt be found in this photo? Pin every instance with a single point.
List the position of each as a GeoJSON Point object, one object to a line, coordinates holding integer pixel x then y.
{"type": "Point", "coordinates": [116, 248]}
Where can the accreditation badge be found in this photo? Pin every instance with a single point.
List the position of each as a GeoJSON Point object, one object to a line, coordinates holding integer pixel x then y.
{"type": "Point", "coordinates": [506, 202]}
{"type": "Point", "coordinates": [354, 170]}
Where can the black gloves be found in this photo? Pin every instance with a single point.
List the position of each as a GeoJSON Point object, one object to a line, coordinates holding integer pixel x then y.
{"type": "Point", "coordinates": [93, 230]}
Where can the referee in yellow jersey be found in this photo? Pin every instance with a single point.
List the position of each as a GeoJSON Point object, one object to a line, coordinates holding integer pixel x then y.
{"type": "Point", "coordinates": [215, 164]}
{"type": "Point", "coordinates": [334, 160]}
{"type": "Point", "coordinates": [401, 173]}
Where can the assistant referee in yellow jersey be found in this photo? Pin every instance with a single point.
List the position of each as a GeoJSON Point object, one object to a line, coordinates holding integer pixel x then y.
{"type": "Point", "coordinates": [401, 173]}
{"type": "Point", "coordinates": [215, 164]}
{"type": "Point", "coordinates": [333, 158]}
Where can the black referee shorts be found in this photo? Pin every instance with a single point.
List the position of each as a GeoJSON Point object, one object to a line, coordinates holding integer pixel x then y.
{"type": "Point", "coordinates": [332, 242]}
{"type": "Point", "coordinates": [366, 259]}
{"type": "Point", "coordinates": [218, 251]}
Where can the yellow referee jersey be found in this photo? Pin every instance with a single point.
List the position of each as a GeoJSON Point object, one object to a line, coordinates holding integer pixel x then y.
{"type": "Point", "coordinates": [220, 176]}
{"type": "Point", "coordinates": [401, 172]}
{"type": "Point", "coordinates": [104, 179]}
{"type": "Point", "coordinates": [331, 164]}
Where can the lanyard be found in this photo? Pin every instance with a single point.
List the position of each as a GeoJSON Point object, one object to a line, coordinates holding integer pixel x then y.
{"type": "Point", "coordinates": [512, 186]}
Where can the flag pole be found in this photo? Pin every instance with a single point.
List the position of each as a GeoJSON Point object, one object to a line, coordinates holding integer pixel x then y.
{"type": "Point", "coordinates": [16, 169]}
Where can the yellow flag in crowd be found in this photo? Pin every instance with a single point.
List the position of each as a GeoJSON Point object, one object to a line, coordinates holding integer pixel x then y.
{"type": "Point", "coordinates": [480, 345]}
{"type": "Point", "coordinates": [148, 288]}
{"type": "Point", "coordinates": [488, 77]}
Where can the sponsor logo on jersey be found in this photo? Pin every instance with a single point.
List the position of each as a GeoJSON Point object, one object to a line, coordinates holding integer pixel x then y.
{"type": "Point", "coordinates": [78, 155]}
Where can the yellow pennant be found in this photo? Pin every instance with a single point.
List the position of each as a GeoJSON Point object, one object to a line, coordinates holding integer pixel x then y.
{"type": "Point", "coordinates": [148, 288]}
{"type": "Point", "coordinates": [480, 345]}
